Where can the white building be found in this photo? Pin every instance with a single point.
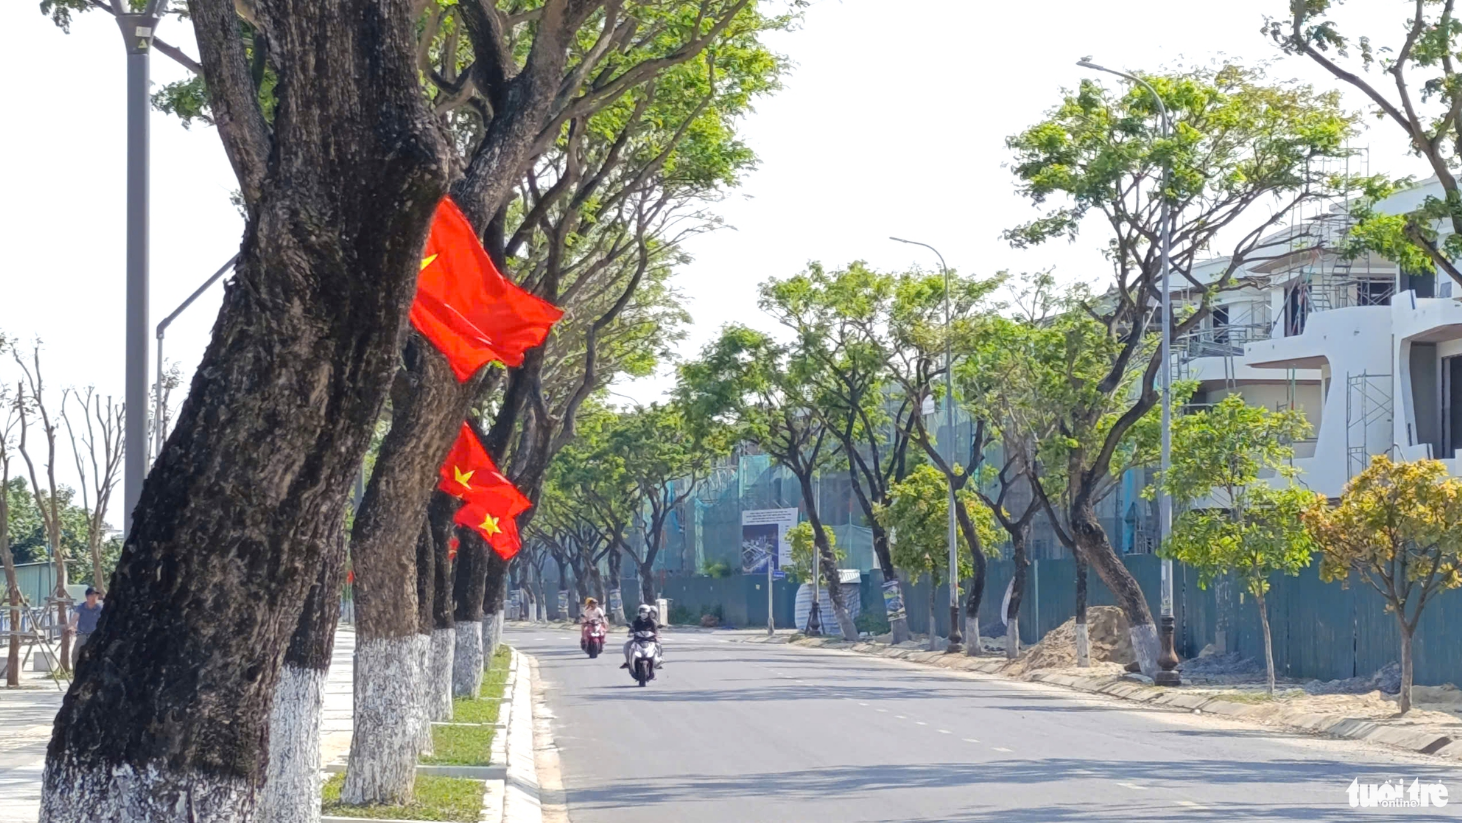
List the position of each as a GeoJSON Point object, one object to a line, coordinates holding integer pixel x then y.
{"type": "Point", "coordinates": [1372, 355]}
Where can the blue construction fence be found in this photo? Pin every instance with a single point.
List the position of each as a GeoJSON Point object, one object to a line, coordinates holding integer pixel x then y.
{"type": "Point", "coordinates": [1320, 630]}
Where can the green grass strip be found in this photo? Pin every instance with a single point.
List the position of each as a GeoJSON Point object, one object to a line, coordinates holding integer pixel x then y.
{"type": "Point", "coordinates": [460, 746]}
{"type": "Point", "coordinates": [437, 798]}
{"type": "Point", "coordinates": [494, 681]}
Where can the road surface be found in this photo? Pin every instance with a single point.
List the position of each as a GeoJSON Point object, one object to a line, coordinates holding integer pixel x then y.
{"type": "Point", "coordinates": [735, 732]}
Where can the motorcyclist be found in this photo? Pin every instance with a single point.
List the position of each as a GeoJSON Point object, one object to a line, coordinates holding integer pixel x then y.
{"type": "Point", "coordinates": [644, 622]}
{"type": "Point", "coordinates": [587, 616]}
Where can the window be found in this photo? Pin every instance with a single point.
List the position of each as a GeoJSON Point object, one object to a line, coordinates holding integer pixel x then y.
{"type": "Point", "coordinates": [1220, 324]}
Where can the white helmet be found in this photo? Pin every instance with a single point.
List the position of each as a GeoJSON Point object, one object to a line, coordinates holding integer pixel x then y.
{"type": "Point", "coordinates": [644, 609]}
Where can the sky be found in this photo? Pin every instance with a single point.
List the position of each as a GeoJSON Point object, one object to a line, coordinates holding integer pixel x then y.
{"type": "Point", "coordinates": [892, 122]}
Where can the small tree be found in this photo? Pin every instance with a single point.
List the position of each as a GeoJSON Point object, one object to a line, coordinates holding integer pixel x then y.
{"type": "Point", "coordinates": [1248, 529]}
{"type": "Point", "coordinates": [97, 445]}
{"type": "Point", "coordinates": [804, 548]}
{"type": "Point", "coordinates": [1399, 528]}
{"type": "Point", "coordinates": [918, 515]}
{"type": "Point", "coordinates": [9, 419]}
{"type": "Point", "coordinates": [31, 400]}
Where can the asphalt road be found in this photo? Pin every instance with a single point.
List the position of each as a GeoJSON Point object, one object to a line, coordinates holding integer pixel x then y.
{"type": "Point", "coordinates": [747, 732]}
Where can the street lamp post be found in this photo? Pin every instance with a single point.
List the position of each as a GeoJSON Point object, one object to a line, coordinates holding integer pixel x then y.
{"type": "Point", "coordinates": [137, 33]}
{"type": "Point", "coordinates": [1168, 660]}
{"type": "Point", "coordinates": [956, 637]}
{"type": "Point", "coordinates": [157, 432]}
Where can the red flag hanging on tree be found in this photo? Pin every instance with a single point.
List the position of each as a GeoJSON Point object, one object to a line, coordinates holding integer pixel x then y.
{"type": "Point", "coordinates": [500, 531]}
{"type": "Point", "coordinates": [491, 501]}
{"type": "Point", "coordinates": [452, 545]}
{"type": "Point", "coordinates": [466, 307]}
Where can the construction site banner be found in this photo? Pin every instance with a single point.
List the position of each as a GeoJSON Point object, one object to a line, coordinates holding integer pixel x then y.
{"type": "Point", "coordinates": [764, 539]}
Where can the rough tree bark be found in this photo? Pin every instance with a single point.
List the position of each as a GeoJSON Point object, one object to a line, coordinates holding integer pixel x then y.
{"type": "Point", "coordinates": [468, 584]}
{"type": "Point", "coordinates": [291, 792]}
{"type": "Point", "coordinates": [168, 717]}
{"type": "Point", "coordinates": [615, 587]}
{"type": "Point", "coordinates": [444, 635]}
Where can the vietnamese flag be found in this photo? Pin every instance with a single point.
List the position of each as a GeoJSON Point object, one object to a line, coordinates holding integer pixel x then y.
{"type": "Point", "coordinates": [468, 474]}
{"type": "Point", "coordinates": [500, 531]}
{"type": "Point", "coordinates": [466, 307]}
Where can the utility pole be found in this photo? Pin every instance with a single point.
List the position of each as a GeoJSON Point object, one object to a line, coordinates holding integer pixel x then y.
{"type": "Point", "coordinates": [157, 410]}
{"type": "Point", "coordinates": [956, 637]}
{"type": "Point", "coordinates": [138, 30]}
{"type": "Point", "coordinates": [1168, 659]}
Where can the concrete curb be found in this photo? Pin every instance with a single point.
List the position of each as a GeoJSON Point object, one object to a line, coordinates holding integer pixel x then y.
{"type": "Point", "coordinates": [512, 797]}
{"type": "Point", "coordinates": [1419, 741]}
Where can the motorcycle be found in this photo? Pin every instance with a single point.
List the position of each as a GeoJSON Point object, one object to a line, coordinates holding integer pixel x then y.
{"type": "Point", "coordinates": [592, 639]}
{"type": "Point", "coordinates": [644, 657]}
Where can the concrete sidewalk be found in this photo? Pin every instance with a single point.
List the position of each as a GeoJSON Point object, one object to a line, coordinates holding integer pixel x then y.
{"type": "Point", "coordinates": [26, 716]}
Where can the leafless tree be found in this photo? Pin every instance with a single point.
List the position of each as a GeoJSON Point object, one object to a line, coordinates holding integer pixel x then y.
{"type": "Point", "coordinates": [97, 449]}
{"type": "Point", "coordinates": [31, 408]}
{"type": "Point", "coordinates": [9, 421]}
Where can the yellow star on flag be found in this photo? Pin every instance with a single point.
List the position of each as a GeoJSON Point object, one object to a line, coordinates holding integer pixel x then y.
{"type": "Point", "coordinates": [462, 477]}
{"type": "Point", "coordinates": [489, 525]}
{"type": "Point", "coordinates": [426, 261]}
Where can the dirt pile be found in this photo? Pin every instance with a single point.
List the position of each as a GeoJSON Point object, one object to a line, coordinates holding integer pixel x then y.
{"type": "Point", "coordinates": [1106, 629]}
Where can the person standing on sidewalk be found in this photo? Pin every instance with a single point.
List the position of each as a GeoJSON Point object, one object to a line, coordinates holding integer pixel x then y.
{"type": "Point", "coordinates": [83, 622]}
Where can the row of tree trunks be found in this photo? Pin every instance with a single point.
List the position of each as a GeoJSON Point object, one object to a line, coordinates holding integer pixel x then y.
{"type": "Point", "coordinates": [494, 589]}
{"type": "Point", "coordinates": [291, 792]}
{"type": "Point", "coordinates": [468, 585]}
{"type": "Point", "coordinates": [168, 718]}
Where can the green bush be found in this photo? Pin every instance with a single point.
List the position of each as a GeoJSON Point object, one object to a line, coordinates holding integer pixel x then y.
{"type": "Point", "coordinates": [872, 622]}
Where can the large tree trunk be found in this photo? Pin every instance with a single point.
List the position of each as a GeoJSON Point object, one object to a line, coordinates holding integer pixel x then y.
{"type": "Point", "coordinates": [1404, 698]}
{"type": "Point", "coordinates": [1083, 640]}
{"type": "Point", "coordinates": [291, 793]}
{"type": "Point", "coordinates": [1091, 542]}
{"type": "Point", "coordinates": [977, 585]}
{"type": "Point", "coordinates": [468, 585]}
{"type": "Point", "coordinates": [493, 588]}
{"type": "Point", "coordinates": [444, 634]}
{"type": "Point", "coordinates": [168, 717]}
{"type": "Point", "coordinates": [898, 624]}
{"type": "Point", "coordinates": [1019, 537]}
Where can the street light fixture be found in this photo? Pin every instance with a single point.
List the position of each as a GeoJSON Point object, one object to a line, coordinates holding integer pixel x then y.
{"type": "Point", "coordinates": [956, 638]}
{"type": "Point", "coordinates": [138, 29]}
{"type": "Point", "coordinates": [157, 432]}
{"type": "Point", "coordinates": [1168, 660]}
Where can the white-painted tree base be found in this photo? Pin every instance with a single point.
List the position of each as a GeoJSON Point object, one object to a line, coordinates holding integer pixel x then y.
{"type": "Point", "coordinates": [439, 681]}
{"type": "Point", "coordinates": [1083, 646]}
{"type": "Point", "coordinates": [151, 793]}
{"type": "Point", "coordinates": [1012, 637]}
{"type": "Point", "coordinates": [972, 636]}
{"type": "Point", "coordinates": [1145, 645]}
{"type": "Point", "coordinates": [467, 660]}
{"type": "Point", "coordinates": [426, 747]}
{"type": "Point", "coordinates": [291, 792]}
{"type": "Point", "coordinates": [388, 720]}
{"type": "Point", "coordinates": [489, 636]}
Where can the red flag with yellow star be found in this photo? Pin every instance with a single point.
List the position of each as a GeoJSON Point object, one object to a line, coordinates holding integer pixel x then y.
{"type": "Point", "coordinates": [491, 500]}
{"type": "Point", "coordinates": [466, 307]}
{"type": "Point", "coordinates": [500, 531]}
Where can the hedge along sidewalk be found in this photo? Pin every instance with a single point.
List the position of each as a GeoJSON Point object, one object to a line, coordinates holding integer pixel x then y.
{"type": "Point", "coordinates": [1387, 732]}
{"type": "Point", "coordinates": [452, 789]}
